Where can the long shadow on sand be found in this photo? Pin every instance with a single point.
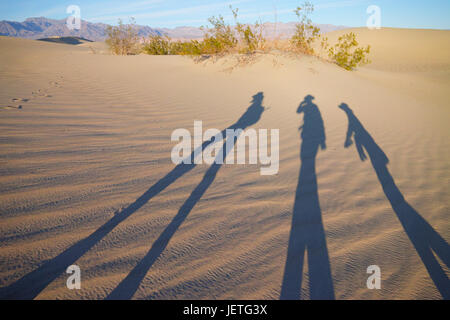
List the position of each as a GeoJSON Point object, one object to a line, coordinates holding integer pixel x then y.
{"type": "Point", "coordinates": [127, 288]}
{"type": "Point", "coordinates": [425, 239]}
{"type": "Point", "coordinates": [307, 231]}
{"type": "Point", "coordinates": [30, 285]}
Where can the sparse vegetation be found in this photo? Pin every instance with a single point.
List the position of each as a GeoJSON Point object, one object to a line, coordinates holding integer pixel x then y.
{"type": "Point", "coordinates": [347, 54]}
{"type": "Point", "coordinates": [163, 45]}
{"type": "Point", "coordinates": [250, 39]}
{"type": "Point", "coordinates": [122, 39]}
{"type": "Point", "coordinates": [305, 32]}
{"type": "Point", "coordinates": [157, 45]}
{"type": "Point", "coordinates": [220, 38]}
{"type": "Point", "coordinates": [187, 48]}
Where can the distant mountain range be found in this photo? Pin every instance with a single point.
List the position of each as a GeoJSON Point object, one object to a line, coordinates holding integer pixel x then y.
{"type": "Point", "coordinates": [37, 28]}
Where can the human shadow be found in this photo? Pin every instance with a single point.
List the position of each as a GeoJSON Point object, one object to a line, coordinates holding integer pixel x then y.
{"type": "Point", "coordinates": [307, 231]}
{"type": "Point", "coordinates": [30, 285]}
{"type": "Point", "coordinates": [427, 242]}
{"type": "Point", "coordinates": [130, 284]}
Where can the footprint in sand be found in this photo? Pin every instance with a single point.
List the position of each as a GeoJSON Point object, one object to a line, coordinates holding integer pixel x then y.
{"type": "Point", "coordinates": [16, 101]}
{"type": "Point", "coordinates": [35, 94]}
{"type": "Point", "coordinates": [55, 84]}
{"type": "Point", "coordinates": [10, 107]}
{"type": "Point", "coordinates": [41, 93]}
{"type": "Point", "coordinates": [20, 100]}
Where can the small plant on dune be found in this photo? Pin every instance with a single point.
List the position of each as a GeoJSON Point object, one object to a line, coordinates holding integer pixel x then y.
{"type": "Point", "coordinates": [157, 45]}
{"type": "Point", "coordinates": [122, 39]}
{"type": "Point", "coordinates": [347, 54]}
{"type": "Point", "coordinates": [305, 32]}
{"type": "Point", "coordinates": [218, 39]}
{"type": "Point", "coordinates": [324, 45]}
{"type": "Point", "coordinates": [163, 45]}
{"type": "Point", "coordinates": [251, 39]}
{"type": "Point", "coordinates": [187, 48]}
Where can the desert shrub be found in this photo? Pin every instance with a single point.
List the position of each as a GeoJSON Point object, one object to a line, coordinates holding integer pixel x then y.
{"type": "Point", "coordinates": [163, 45]}
{"type": "Point", "coordinates": [218, 39]}
{"type": "Point", "coordinates": [347, 54]}
{"type": "Point", "coordinates": [305, 32]}
{"type": "Point", "coordinates": [324, 45]}
{"type": "Point", "coordinates": [122, 39]}
{"type": "Point", "coordinates": [157, 45]}
{"type": "Point", "coordinates": [250, 39]}
{"type": "Point", "coordinates": [189, 48]}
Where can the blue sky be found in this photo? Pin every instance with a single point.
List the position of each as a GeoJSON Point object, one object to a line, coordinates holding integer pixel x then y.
{"type": "Point", "coordinates": [171, 13]}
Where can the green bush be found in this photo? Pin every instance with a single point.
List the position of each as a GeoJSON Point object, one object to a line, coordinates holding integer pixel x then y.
{"type": "Point", "coordinates": [157, 45]}
{"type": "Point", "coordinates": [250, 39]}
{"type": "Point", "coordinates": [218, 39]}
{"type": "Point", "coordinates": [190, 48]}
{"type": "Point", "coordinates": [122, 39]}
{"type": "Point", "coordinates": [305, 32]}
{"type": "Point", "coordinates": [347, 54]}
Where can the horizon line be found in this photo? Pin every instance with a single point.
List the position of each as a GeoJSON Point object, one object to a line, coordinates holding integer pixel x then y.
{"type": "Point", "coordinates": [196, 27]}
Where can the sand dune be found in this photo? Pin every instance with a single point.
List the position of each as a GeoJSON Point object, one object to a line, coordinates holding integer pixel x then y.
{"type": "Point", "coordinates": [86, 176]}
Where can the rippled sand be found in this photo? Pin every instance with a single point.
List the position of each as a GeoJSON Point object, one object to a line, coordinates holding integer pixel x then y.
{"type": "Point", "coordinates": [86, 176]}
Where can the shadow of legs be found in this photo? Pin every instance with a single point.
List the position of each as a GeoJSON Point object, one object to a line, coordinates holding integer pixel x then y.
{"type": "Point", "coordinates": [421, 234]}
{"type": "Point", "coordinates": [425, 239]}
{"type": "Point", "coordinates": [307, 232]}
{"type": "Point", "coordinates": [127, 288]}
{"type": "Point", "coordinates": [30, 285]}
{"type": "Point", "coordinates": [307, 236]}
